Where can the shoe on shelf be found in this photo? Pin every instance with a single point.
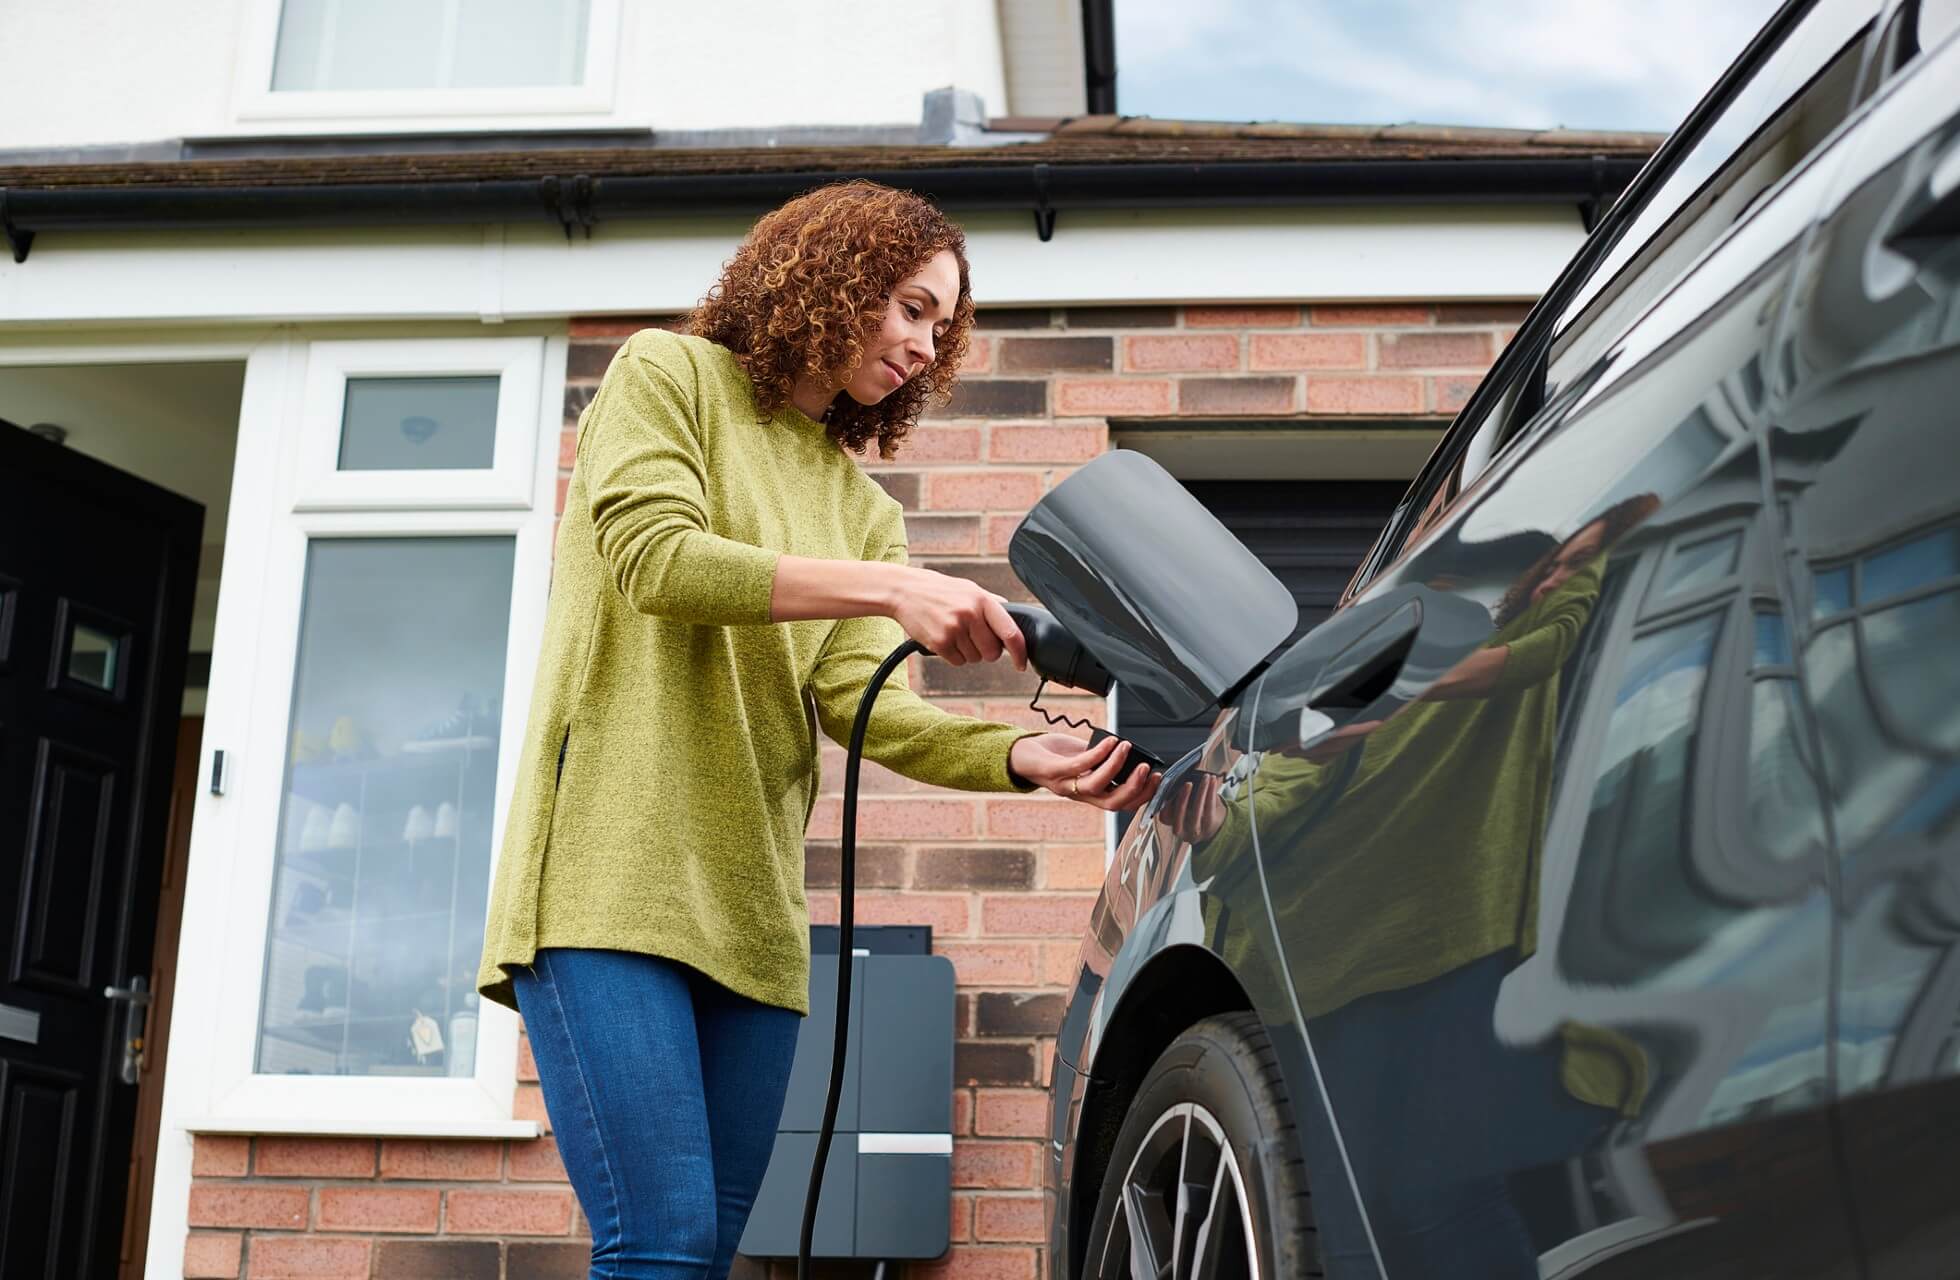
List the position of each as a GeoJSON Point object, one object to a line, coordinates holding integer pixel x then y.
{"type": "Point", "coordinates": [472, 726]}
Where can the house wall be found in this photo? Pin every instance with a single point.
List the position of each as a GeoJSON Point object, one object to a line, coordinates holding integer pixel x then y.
{"type": "Point", "coordinates": [1006, 882]}
{"type": "Point", "coordinates": [147, 72]}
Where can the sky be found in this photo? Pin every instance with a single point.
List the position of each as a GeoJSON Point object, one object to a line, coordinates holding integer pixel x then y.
{"type": "Point", "coordinates": [1581, 64]}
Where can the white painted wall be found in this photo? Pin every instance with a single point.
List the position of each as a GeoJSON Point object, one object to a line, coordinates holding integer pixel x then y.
{"type": "Point", "coordinates": [88, 72]}
{"type": "Point", "coordinates": [1359, 253]}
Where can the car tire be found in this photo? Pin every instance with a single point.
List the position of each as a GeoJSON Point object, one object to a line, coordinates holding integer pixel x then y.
{"type": "Point", "coordinates": [1212, 1120]}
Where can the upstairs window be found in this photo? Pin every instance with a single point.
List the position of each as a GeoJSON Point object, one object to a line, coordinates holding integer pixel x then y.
{"type": "Point", "coordinates": [354, 45]}
{"type": "Point", "coordinates": [428, 65]}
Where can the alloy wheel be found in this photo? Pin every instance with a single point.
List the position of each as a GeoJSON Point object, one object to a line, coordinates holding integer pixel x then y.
{"type": "Point", "coordinates": [1183, 1213]}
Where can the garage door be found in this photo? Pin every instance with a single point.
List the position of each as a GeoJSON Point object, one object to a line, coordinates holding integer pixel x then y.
{"type": "Point", "coordinates": [1310, 533]}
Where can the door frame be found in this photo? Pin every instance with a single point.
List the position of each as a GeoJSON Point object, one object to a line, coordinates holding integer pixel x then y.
{"type": "Point", "coordinates": [271, 405]}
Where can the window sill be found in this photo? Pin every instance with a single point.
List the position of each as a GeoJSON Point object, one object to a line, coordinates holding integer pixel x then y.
{"type": "Point", "coordinates": [325, 1127]}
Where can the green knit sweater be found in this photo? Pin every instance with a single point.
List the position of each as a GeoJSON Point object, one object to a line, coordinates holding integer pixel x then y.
{"type": "Point", "coordinates": [669, 763]}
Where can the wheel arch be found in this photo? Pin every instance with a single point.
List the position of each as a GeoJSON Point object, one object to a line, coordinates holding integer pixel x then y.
{"type": "Point", "coordinates": [1180, 987]}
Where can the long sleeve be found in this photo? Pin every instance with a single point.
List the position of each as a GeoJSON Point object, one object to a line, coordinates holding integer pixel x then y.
{"type": "Point", "coordinates": [642, 455]}
{"type": "Point", "coordinates": [1548, 632]}
{"type": "Point", "coordinates": [906, 733]}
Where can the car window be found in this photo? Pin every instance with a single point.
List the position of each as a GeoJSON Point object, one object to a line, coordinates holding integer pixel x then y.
{"type": "Point", "coordinates": [1803, 84]}
{"type": "Point", "coordinates": [1804, 88]}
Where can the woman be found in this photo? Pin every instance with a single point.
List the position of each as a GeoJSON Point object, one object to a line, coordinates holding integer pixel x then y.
{"type": "Point", "coordinates": [726, 579]}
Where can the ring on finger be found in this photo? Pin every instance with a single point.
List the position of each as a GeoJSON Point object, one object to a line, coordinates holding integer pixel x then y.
{"type": "Point", "coordinates": [1075, 787]}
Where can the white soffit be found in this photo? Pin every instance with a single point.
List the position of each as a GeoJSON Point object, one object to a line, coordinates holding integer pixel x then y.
{"type": "Point", "coordinates": [498, 273]}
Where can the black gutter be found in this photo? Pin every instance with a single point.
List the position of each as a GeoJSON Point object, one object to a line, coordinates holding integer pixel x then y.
{"type": "Point", "coordinates": [582, 200]}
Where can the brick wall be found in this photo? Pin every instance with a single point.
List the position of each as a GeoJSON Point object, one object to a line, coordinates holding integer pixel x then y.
{"type": "Point", "coordinates": [1006, 882]}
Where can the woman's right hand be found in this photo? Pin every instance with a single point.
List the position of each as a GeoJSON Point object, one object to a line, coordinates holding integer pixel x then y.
{"type": "Point", "coordinates": [957, 620]}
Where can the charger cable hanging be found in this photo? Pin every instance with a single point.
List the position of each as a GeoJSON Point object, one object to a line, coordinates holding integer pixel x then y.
{"type": "Point", "coordinates": [846, 904]}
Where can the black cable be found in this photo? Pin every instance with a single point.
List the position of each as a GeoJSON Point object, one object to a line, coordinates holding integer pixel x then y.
{"type": "Point", "coordinates": [846, 903]}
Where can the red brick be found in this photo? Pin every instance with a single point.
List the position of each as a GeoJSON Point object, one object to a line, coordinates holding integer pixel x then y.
{"type": "Point", "coordinates": [209, 1256]}
{"type": "Point", "coordinates": [1442, 350]}
{"type": "Point", "coordinates": [510, 1213]}
{"type": "Point", "coordinates": [879, 866]}
{"type": "Point", "coordinates": [1048, 915]}
{"type": "Point", "coordinates": [1364, 395]}
{"type": "Point", "coordinates": [564, 487]}
{"type": "Point", "coordinates": [529, 1105]}
{"type": "Point", "coordinates": [619, 326]}
{"type": "Point", "coordinates": [440, 1160]}
{"type": "Point", "coordinates": [1241, 317]}
{"type": "Point", "coordinates": [536, 1161]}
{"type": "Point", "coordinates": [315, 1158]}
{"type": "Point", "coordinates": [1000, 532]}
{"type": "Point", "coordinates": [995, 1164]}
{"type": "Point", "coordinates": [979, 356]}
{"type": "Point", "coordinates": [1073, 867]}
{"type": "Point", "coordinates": [1066, 443]}
{"type": "Point", "coordinates": [973, 867]}
{"type": "Point", "coordinates": [943, 535]}
{"type": "Point", "coordinates": [947, 913]}
{"type": "Point", "coordinates": [960, 1218]}
{"type": "Point", "coordinates": [1482, 312]}
{"type": "Point", "coordinates": [905, 818]}
{"type": "Point", "coordinates": [379, 1209]}
{"type": "Point", "coordinates": [938, 444]}
{"type": "Point", "coordinates": [226, 1205]}
{"type": "Point", "coordinates": [1043, 819]}
{"type": "Point", "coordinates": [567, 449]}
{"type": "Point", "coordinates": [527, 1066]}
{"type": "Point", "coordinates": [1010, 1113]}
{"type": "Point", "coordinates": [980, 1262]}
{"type": "Point", "coordinates": [309, 1258]}
{"type": "Point", "coordinates": [220, 1156]}
{"type": "Point", "coordinates": [1236, 395]}
{"type": "Point", "coordinates": [1450, 392]}
{"type": "Point", "coordinates": [1000, 1014]}
{"type": "Point", "coordinates": [1060, 963]}
{"type": "Point", "coordinates": [1309, 351]}
{"type": "Point", "coordinates": [1056, 355]}
{"type": "Point", "coordinates": [1181, 352]}
{"type": "Point", "coordinates": [1008, 1218]}
{"type": "Point", "coordinates": [962, 1111]}
{"type": "Point", "coordinates": [983, 490]}
{"type": "Point", "coordinates": [1097, 397]}
{"type": "Point", "coordinates": [1369, 313]}
{"type": "Point", "coordinates": [994, 1062]}
{"type": "Point", "coordinates": [990, 964]}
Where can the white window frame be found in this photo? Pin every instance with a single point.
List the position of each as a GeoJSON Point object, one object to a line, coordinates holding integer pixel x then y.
{"type": "Point", "coordinates": [507, 483]}
{"type": "Point", "coordinates": [250, 719]}
{"type": "Point", "coordinates": [254, 99]}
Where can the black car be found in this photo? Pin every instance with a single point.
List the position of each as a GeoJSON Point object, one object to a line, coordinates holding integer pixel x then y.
{"type": "Point", "coordinates": [1583, 896]}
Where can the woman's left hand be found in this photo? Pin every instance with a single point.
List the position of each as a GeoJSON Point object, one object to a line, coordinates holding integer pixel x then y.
{"type": "Point", "coordinates": [1071, 768]}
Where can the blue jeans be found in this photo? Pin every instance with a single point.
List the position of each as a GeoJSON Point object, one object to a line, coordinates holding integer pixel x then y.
{"type": "Point", "coordinates": [664, 1090]}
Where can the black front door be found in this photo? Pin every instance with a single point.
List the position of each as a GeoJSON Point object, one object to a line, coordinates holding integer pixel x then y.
{"type": "Point", "coordinates": [97, 571]}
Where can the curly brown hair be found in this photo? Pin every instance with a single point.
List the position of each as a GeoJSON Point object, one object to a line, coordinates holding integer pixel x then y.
{"type": "Point", "coordinates": [810, 285]}
{"type": "Point", "coordinates": [1613, 524]}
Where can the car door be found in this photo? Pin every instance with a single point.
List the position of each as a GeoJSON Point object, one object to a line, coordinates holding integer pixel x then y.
{"type": "Point", "coordinates": [1862, 450]}
{"type": "Point", "coordinates": [1555, 911]}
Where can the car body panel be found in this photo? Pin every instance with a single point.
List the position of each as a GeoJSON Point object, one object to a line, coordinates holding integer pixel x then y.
{"type": "Point", "coordinates": [1863, 444]}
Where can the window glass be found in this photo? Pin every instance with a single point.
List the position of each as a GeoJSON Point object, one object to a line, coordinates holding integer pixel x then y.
{"type": "Point", "coordinates": [383, 855]}
{"type": "Point", "coordinates": [1800, 92]}
{"type": "Point", "coordinates": [341, 45]}
{"type": "Point", "coordinates": [419, 424]}
{"type": "Point", "coordinates": [92, 656]}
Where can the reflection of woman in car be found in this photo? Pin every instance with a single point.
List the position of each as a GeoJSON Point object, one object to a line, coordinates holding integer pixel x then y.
{"type": "Point", "coordinates": [1413, 843]}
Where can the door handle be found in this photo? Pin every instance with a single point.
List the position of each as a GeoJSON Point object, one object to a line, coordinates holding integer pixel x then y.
{"type": "Point", "coordinates": [135, 1001]}
{"type": "Point", "coordinates": [1355, 678]}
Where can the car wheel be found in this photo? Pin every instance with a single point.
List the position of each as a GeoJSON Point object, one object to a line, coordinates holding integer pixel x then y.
{"type": "Point", "coordinates": [1207, 1180]}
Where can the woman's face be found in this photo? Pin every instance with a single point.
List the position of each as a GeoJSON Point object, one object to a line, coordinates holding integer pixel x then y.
{"type": "Point", "coordinates": [1578, 549]}
{"type": "Point", "coordinates": [916, 317]}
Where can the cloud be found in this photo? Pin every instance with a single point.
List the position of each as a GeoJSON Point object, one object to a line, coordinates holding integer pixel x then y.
{"type": "Point", "coordinates": [1519, 63]}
